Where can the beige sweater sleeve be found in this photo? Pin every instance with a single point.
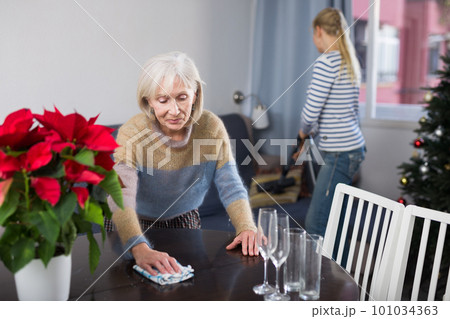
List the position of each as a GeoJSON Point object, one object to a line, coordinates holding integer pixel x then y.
{"type": "Point", "coordinates": [126, 220]}
{"type": "Point", "coordinates": [127, 224]}
{"type": "Point", "coordinates": [239, 210]}
{"type": "Point", "coordinates": [241, 216]}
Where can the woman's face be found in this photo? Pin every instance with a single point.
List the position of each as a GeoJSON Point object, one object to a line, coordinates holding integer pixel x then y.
{"type": "Point", "coordinates": [173, 108]}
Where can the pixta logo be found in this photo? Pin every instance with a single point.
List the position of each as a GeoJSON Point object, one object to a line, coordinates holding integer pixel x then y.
{"type": "Point", "coordinates": [141, 148]}
{"type": "Point", "coordinates": [310, 148]}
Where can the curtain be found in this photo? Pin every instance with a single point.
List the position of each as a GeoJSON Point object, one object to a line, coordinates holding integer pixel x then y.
{"type": "Point", "coordinates": [282, 57]}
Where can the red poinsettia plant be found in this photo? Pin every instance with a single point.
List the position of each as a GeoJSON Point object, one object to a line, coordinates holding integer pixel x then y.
{"type": "Point", "coordinates": [55, 173]}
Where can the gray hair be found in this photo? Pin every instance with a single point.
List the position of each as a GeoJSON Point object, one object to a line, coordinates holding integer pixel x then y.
{"type": "Point", "coordinates": [161, 71]}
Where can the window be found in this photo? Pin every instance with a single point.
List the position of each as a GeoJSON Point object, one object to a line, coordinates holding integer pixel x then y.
{"type": "Point", "coordinates": [388, 54]}
{"type": "Point", "coordinates": [360, 31]}
{"type": "Point", "coordinates": [408, 39]}
{"type": "Point", "coordinates": [433, 53]}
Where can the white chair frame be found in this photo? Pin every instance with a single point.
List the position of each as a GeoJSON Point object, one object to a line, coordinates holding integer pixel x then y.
{"type": "Point", "coordinates": [393, 211]}
{"type": "Point", "coordinates": [403, 248]}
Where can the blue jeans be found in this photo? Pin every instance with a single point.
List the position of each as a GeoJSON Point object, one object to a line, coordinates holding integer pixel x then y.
{"type": "Point", "coordinates": [340, 167]}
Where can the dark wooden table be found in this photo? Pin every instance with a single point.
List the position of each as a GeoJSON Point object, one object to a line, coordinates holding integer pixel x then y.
{"type": "Point", "coordinates": [219, 274]}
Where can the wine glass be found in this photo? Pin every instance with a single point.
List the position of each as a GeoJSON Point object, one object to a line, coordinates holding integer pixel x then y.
{"type": "Point", "coordinates": [278, 251]}
{"type": "Point", "coordinates": [265, 216]}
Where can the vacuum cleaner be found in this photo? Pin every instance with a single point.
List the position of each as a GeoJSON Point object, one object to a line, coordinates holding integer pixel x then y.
{"type": "Point", "coordinates": [278, 186]}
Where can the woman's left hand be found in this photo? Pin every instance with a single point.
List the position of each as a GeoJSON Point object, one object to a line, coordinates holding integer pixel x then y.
{"type": "Point", "coordinates": [247, 239]}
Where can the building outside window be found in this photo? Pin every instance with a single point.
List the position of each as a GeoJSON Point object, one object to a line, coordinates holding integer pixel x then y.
{"type": "Point", "coordinates": [411, 37]}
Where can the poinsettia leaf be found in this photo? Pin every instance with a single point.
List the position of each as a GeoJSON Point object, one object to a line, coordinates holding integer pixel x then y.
{"type": "Point", "coordinates": [92, 120]}
{"type": "Point", "coordinates": [8, 165]}
{"type": "Point", "coordinates": [98, 193]}
{"type": "Point", "coordinates": [81, 224]}
{"type": "Point", "coordinates": [67, 153]}
{"type": "Point", "coordinates": [94, 252]}
{"type": "Point", "coordinates": [11, 234]}
{"type": "Point", "coordinates": [38, 156]}
{"type": "Point", "coordinates": [94, 213]}
{"type": "Point", "coordinates": [90, 177]}
{"type": "Point", "coordinates": [99, 169]}
{"type": "Point", "coordinates": [47, 188]}
{"type": "Point", "coordinates": [17, 121]}
{"type": "Point", "coordinates": [103, 231]}
{"type": "Point", "coordinates": [46, 251]}
{"type": "Point", "coordinates": [22, 252]}
{"type": "Point", "coordinates": [111, 185]}
{"type": "Point", "coordinates": [5, 256]}
{"type": "Point", "coordinates": [4, 188]}
{"type": "Point", "coordinates": [65, 207]}
{"type": "Point", "coordinates": [9, 206]}
{"type": "Point", "coordinates": [54, 169]}
{"type": "Point", "coordinates": [82, 195]}
{"type": "Point", "coordinates": [98, 138]}
{"type": "Point", "coordinates": [106, 210]}
{"type": "Point", "coordinates": [14, 153]}
{"type": "Point", "coordinates": [59, 147]}
{"type": "Point", "coordinates": [85, 157]}
{"type": "Point", "coordinates": [47, 224]}
{"type": "Point", "coordinates": [104, 160]}
{"type": "Point", "coordinates": [79, 173]}
{"type": "Point", "coordinates": [68, 236]}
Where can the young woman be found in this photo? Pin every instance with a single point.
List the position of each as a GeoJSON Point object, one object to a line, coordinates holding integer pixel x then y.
{"type": "Point", "coordinates": [331, 111]}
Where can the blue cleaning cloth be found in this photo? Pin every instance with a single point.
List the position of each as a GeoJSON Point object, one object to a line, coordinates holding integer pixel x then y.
{"type": "Point", "coordinates": [167, 279]}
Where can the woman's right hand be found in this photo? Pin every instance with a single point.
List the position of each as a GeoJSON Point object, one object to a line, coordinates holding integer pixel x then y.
{"type": "Point", "coordinates": [300, 143]}
{"type": "Point", "coordinates": [147, 258]}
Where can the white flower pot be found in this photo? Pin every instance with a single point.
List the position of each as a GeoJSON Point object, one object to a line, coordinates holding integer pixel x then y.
{"type": "Point", "coordinates": [35, 282]}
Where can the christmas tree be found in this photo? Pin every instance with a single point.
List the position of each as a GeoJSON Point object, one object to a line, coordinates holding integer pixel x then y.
{"type": "Point", "coordinates": [425, 179]}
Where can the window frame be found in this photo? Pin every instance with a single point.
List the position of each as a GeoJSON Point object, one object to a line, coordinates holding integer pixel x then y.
{"type": "Point", "coordinates": [370, 118]}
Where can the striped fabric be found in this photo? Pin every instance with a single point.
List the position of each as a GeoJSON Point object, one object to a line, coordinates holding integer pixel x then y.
{"type": "Point", "coordinates": [332, 106]}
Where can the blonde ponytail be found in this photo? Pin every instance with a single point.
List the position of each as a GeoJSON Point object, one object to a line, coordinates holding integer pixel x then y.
{"type": "Point", "coordinates": [333, 22]}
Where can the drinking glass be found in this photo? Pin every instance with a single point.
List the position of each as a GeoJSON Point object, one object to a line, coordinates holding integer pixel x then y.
{"type": "Point", "coordinates": [278, 251]}
{"type": "Point", "coordinates": [310, 268]}
{"type": "Point", "coordinates": [292, 264]}
{"type": "Point", "coordinates": [265, 217]}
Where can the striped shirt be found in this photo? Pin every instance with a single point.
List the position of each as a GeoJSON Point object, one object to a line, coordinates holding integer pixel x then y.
{"type": "Point", "coordinates": [332, 106]}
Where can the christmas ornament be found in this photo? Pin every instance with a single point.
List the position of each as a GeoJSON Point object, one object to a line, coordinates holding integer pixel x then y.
{"type": "Point", "coordinates": [418, 142]}
{"type": "Point", "coordinates": [403, 180]}
{"type": "Point", "coordinates": [401, 200]}
{"type": "Point", "coordinates": [447, 166]}
{"type": "Point", "coordinates": [423, 120]}
{"type": "Point", "coordinates": [424, 168]}
{"type": "Point", "coordinates": [428, 96]}
{"type": "Point", "coordinates": [415, 154]}
{"type": "Point", "coordinates": [438, 132]}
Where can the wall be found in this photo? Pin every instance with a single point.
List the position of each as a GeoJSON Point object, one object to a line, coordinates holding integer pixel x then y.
{"type": "Point", "coordinates": [52, 52]}
{"type": "Point", "coordinates": [388, 146]}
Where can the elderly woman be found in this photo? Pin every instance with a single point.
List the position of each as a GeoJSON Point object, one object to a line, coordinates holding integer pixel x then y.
{"type": "Point", "coordinates": [170, 154]}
